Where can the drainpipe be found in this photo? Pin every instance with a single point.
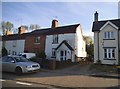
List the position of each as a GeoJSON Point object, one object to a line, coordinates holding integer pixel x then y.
{"type": "Point", "coordinates": [98, 46]}
{"type": "Point", "coordinates": [118, 49]}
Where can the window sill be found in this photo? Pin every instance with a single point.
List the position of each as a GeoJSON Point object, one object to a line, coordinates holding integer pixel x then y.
{"type": "Point", "coordinates": [53, 57]}
{"type": "Point", "coordinates": [54, 43]}
{"type": "Point", "coordinates": [36, 43]}
{"type": "Point", "coordinates": [108, 39]}
{"type": "Point", "coordinates": [108, 59]}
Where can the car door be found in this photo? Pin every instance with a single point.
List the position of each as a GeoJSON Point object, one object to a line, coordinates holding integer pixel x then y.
{"type": "Point", "coordinates": [10, 64]}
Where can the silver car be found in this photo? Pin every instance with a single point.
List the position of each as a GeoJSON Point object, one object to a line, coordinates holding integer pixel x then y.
{"type": "Point", "coordinates": [18, 65]}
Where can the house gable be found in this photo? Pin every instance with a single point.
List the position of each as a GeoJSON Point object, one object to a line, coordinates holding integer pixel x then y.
{"type": "Point", "coordinates": [108, 23]}
{"type": "Point", "coordinates": [66, 44]}
{"type": "Point", "coordinates": [97, 25]}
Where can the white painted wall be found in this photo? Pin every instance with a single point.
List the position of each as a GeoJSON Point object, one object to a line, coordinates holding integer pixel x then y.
{"type": "Point", "coordinates": [80, 43]}
{"type": "Point", "coordinates": [106, 43]}
{"type": "Point", "coordinates": [74, 39]}
{"type": "Point", "coordinates": [49, 39]}
{"type": "Point", "coordinates": [0, 48]}
{"type": "Point", "coordinates": [19, 48]}
{"type": "Point", "coordinates": [63, 47]}
{"type": "Point", "coordinates": [96, 46]}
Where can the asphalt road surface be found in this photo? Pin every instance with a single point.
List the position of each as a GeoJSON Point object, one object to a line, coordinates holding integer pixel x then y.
{"type": "Point", "coordinates": [8, 80]}
{"type": "Point", "coordinates": [13, 83]}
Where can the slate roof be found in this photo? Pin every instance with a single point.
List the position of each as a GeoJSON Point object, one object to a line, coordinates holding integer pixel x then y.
{"type": "Point", "coordinates": [97, 25]}
{"type": "Point", "coordinates": [63, 29]}
{"type": "Point", "coordinates": [65, 42]}
{"type": "Point", "coordinates": [14, 36]}
{"type": "Point", "coordinates": [47, 31]}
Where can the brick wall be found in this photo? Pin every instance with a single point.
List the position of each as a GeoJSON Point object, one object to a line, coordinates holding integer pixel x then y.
{"type": "Point", "coordinates": [31, 46]}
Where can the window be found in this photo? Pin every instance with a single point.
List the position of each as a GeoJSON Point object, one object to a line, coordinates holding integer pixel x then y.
{"type": "Point", "coordinates": [109, 35]}
{"type": "Point", "coordinates": [9, 52]}
{"type": "Point", "coordinates": [10, 59]}
{"type": "Point", "coordinates": [55, 39]}
{"type": "Point", "coordinates": [53, 52]}
{"type": "Point", "coordinates": [14, 43]}
{"type": "Point", "coordinates": [14, 53]}
{"type": "Point", "coordinates": [37, 39]}
{"type": "Point", "coordinates": [109, 53]}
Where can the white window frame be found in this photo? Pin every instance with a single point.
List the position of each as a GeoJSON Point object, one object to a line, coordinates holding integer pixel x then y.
{"type": "Point", "coordinates": [110, 53]}
{"type": "Point", "coordinates": [14, 43]}
{"type": "Point", "coordinates": [37, 40]}
{"type": "Point", "coordinates": [109, 35]}
{"type": "Point", "coordinates": [53, 52]}
{"type": "Point", "coordinates": [55, 39]}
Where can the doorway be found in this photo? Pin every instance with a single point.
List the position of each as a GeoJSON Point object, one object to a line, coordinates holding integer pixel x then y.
{"type": "Point", "coordinates": [63, 55]}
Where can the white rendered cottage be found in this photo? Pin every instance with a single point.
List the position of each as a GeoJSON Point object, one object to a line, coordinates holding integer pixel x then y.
{"type": "Point", "coordinates": [14, 43]}
{"type": "Point", "coordinates": [106, 40]}
{"type": "Point", "coordinates": [65, 42]}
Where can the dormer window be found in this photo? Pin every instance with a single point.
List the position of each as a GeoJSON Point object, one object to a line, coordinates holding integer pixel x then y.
{"type": "Point", "coordinates": [37, 39]}
{"type": "Point", "coordinates": [108, 35]}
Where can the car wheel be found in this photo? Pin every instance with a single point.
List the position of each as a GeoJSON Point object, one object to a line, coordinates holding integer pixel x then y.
{"type": "Point", "coordinates": [18, 71]}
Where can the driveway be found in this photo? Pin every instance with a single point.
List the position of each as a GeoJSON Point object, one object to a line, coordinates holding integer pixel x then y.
{"type": "Point", "coordinates": [75, 76]}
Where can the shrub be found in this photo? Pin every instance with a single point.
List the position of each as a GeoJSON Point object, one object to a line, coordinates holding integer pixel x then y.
{"type": "Point", "coordinates": [41, 55]}
{"type": "Point", "coordinates": [99, 62]}
{"type": "Point", "coordinates": [4, 52]}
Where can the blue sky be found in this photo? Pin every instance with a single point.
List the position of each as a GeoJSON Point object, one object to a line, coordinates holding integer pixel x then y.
{"type": "Point", "coordinates": [67, 13]}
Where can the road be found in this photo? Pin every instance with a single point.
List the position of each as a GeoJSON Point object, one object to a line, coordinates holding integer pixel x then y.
{"type": "Point", "coordinates": [59, 79]}
{"type": "Point", "coordinates": [14, 83]}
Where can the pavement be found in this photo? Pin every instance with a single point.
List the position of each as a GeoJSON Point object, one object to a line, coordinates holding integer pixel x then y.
{"type": "Point", "coordinates": [75, 76]}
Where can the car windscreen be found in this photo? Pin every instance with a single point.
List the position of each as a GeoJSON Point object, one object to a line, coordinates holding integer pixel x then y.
{"type": "Point", "coordinates": [20, 59]}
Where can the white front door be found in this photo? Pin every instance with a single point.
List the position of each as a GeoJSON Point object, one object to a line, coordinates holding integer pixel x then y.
{"type": "Point", "coordinates": [63, 55]}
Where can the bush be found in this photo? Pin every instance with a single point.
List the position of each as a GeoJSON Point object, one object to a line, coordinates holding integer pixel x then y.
{"type": "Point", "coordinates": [4, 52]}
{"type": "Point", "coordinates": [41, 55]}
{"type": "Point", "coordinates": [99, 62]}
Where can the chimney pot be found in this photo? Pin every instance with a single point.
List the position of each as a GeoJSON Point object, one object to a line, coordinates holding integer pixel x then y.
{"type": "Point", "coordinates": [54, 23]}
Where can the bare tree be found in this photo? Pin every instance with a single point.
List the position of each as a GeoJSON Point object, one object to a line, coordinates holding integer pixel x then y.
{"type": "Point", "coordinates": [34, 26]}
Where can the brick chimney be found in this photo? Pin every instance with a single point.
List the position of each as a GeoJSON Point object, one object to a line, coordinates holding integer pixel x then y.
{"type": "Point", "coordinates": [54, 23]}
{"type": "Point", "coordinates": [96, 16]}
{"type": "Point", "coordinates": [21, 30]}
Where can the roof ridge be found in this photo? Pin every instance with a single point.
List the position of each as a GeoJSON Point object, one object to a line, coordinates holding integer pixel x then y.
{"type": "Point", "coordinates": [108, 20]}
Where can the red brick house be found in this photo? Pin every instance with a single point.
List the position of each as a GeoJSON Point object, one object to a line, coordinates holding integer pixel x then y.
{"type": "Point", "coordinates": [35, 42]}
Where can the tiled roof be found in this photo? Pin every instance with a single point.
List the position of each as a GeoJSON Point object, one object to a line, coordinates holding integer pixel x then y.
{"type": "Point", "coordinates": [15, 36]}
{"type": "Point", "coordinates": [47, 31]}
{"type": "Point", "coordinates": [65, 42]}
{"type": "Point", "coordinates": [39, 31]}
{"type": "Point", "coordinates": [97, 25]}
{"type": "Point", "coordinates": [63, 29]}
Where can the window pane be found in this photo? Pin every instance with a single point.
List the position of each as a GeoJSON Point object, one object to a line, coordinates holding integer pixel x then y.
{"type": "Point", "coordinates": [105, 35]}
{"type": "Point", "coordinates": [113, 53]}
{"type": "Point", "coordinates": [61, 53]}
{"type": "Point", "coordinates": [105, 50]}
{"type": "Point", "coordinates": [105, 53]}
{"type": "Point", "coordinates": [37, 40]}
{"type": "Point", "coordinates": [53, 52]}
{"type": "Point", "coordinates": [112, 35]}
{"type": "Point", "coordinates": [55, 39]}
{"type": "Point", "coordinates": [108, 35]}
